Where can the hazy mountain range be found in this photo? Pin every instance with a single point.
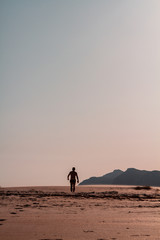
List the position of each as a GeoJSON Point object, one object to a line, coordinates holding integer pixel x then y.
{"type": "Point", "coordinates": [131, 176]}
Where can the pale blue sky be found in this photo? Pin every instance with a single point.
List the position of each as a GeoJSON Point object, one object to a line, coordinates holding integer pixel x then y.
{"type": "Point", "coordinates": [79, 86]}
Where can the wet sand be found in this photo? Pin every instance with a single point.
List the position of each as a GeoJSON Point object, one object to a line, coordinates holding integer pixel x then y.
{"type": "Point", "coordinates": [92, 212]}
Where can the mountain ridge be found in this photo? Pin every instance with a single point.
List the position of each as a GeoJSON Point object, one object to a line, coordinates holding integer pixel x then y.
{"type": "Point", "coordinates": [131, 176]}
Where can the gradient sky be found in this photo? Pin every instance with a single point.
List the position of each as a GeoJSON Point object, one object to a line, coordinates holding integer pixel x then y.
{"type": "Point", "coordinates": [79, 86]}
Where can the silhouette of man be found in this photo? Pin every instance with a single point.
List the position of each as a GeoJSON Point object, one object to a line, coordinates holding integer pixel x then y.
{"type": "Point", "coordinates": [73, 175]}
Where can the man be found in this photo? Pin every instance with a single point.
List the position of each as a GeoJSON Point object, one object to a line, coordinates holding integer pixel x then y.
{"type": "Point", "coordinates": [73, 175]}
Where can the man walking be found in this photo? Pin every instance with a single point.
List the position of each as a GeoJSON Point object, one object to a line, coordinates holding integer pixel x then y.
{"type": "Point", "coordinates": [73, 176]}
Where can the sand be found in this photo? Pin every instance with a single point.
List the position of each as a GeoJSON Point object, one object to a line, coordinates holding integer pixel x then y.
{"type": "Point", "coordinates": [93, 212]}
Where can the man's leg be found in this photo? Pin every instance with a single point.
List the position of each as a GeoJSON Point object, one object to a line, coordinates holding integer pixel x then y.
{"type": "Point", "coordinates": [71, 185]}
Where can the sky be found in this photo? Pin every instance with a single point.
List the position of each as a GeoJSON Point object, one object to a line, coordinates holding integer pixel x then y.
{"type": "Point", "coordinates": [79, 87]}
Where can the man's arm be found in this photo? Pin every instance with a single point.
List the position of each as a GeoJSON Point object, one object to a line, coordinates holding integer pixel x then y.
{"type": "Point", "coordinates": [68, 176]}
{"type": "Point", "coordinates": [77, 179]}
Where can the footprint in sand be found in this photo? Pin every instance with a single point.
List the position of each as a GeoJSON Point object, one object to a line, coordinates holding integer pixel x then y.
{"type": "Point", "coordinates": [51, 239]}
{"type": "Point", "coordinates": [101, 239]}
{"type": "Point", "coordinates": [2, 220]}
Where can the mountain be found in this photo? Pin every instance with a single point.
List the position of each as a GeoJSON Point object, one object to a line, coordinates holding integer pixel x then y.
{"type": "Point", "coordinates": [134, 176]}
{"type": "Point", "coordinates": [131, 176]}
{"type": "Point", "coordinates": [105, 179]}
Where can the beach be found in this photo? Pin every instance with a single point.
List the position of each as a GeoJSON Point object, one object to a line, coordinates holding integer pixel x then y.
{"type": "Point", "coordinates": [92, 212]}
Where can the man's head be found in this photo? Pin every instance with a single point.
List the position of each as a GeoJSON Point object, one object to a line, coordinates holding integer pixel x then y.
{"type": "Point", "coordinates": [73, 169]}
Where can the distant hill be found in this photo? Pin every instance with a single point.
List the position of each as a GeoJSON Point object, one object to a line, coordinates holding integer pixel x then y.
{"type": "Point", "coordinates": [131, 176]}
{"type": "Point", "coordinates": [105, 179]}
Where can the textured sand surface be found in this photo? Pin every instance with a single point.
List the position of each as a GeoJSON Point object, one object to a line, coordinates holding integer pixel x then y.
{"type": "Point", "coordinates": [99, 213]}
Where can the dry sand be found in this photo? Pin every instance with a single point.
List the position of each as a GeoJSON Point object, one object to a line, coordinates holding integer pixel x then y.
{"type": "Point", "coordinates": [93, 212]}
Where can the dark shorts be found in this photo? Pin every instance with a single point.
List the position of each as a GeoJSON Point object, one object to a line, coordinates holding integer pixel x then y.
{"type": "Point", "coordinates": [72, 181]}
